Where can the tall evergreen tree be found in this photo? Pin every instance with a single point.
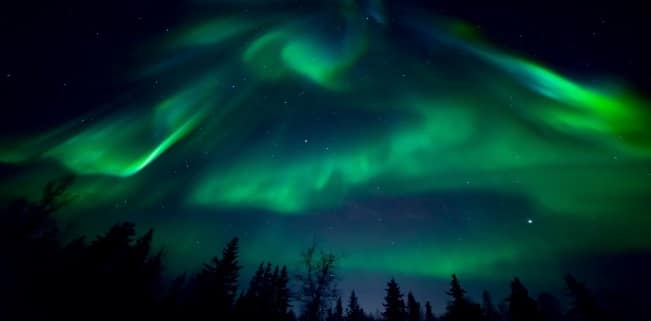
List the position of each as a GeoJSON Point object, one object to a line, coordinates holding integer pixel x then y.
{"type": "Point", "coordinates": [429, 315]}
{"type": "Point", "coordinates": [583, 306]}
{"type": "Point", "coordinates": [229, 271]}
{"type": "Point", "coordinates": [256, 283]}
{"type": "Point", "coordinates": [460, 308]}
{"type": "Point", "coordinates": [413, 308]}
{"type": "Point", "coordinates": [281, 295]}
{"type": "Point", "coordinates": [394, 306]}
{"type": "Point", "coordinates": [521, 306]}
{"type": "Point", "coordinates": [338, 313]}
{"type": "Point", "coordinates": [489, 312]}
{"type": "Point", "coordinates": [353, 311]}
{"type": "Point", "coordinates": [252, 297]}
{"type": "Point", "coordinates": [217, 283]}
{"type": "Point", "coordinates": [267, 291]}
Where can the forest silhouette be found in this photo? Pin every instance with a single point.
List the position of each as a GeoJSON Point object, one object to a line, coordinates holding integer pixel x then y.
{"type": "Point", "coordinates": [118, 276]}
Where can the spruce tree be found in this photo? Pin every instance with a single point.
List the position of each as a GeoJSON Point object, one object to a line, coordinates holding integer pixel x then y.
{"type": "Point", "coordinates": [583, 305]}
{"type": "Point", "coordinates": [460, 308]}
{"type": "Point", "coordinates": [256, 283]}
{"type": "Point", "coordinates": [229, 271]}
{"type": "Point", "coordinates": [354, 312]}
{"type": "Point", "coordinates": [338, 314]}
{"type": "Point", "coordinates": [521, 306]}
{"type": "Point", "coordinates": [429, 315]}
{"type": "Point", "coordinates": [489, 312]}
{"type": "Point", "coordinates": [413, 308]}
{"type": "Point", "coordinates": [217, 283]}
{"type": "Point", "coordinates": [282, 295]}
{"type": "Point", "coordinates": [394, 306]}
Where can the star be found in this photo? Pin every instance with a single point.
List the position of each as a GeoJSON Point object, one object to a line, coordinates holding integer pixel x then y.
{"type": "Point", "coordinates": [529, 221]}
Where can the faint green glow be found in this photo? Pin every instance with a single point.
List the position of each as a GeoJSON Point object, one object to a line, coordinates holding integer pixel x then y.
{"type": "Point", "coordinates": [438, 262]}
{"type": "Point", "coordinates": [263, 55]}
{"type": "Point", "coordinates": [213, 32]}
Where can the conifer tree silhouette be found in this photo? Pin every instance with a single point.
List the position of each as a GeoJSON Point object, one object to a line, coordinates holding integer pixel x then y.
{"type": "Point", "coordinates": [429, 315]}
{"type": "Point", "coordinates": [460, 308]}
{"type": "Point", "coordinates": [353, 311]}
{"type": "Point", "coordinates": [394, 306]}
{"type": "Point", "coordinates": [216, 284]}
{"type": "Point", "coordinates": [489, 312]}
{"type": "Point", "coordinates": [583, 306]}
{"type": "Point", "coordinates": [521, 306]}
{"type": "Point", "coordinates": [413, 308]}
{"type": "Point", "coordinates": [338, 313]}
{"type": "Point", "coordinates": [281, 295]}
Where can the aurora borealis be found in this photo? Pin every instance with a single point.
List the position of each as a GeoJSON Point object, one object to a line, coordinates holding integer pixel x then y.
{"type": "Point", "coordinates": [405, 140]}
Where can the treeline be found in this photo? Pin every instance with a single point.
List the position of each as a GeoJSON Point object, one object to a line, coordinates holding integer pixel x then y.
{"type": "Point", "coordinates": [118, 276]}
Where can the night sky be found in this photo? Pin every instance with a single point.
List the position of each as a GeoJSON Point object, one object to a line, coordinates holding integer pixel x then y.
{"type": "Point", "coordinates": [413, 139]}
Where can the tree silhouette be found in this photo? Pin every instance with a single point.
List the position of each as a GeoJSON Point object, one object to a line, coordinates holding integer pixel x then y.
{"type": "Point", "coordinates": [254, 294]}
{"type": "Point", "coordinates": [267, 296]}
{"type": "Point", "coordinates": [281, 296]}
{"type": "Point", "coordinates": [460, 308]}
{"type": "Point", "coordinates": [216, 284]}
{"type": "Point", "coordinates": [489, 313]}
{"type": "Point", "coordinates": [429, 315]}
{"type": "Point", "coordinates": [353, 311]}
{"type": "Point", "coordinates": [29, 250]}
{"type": "Point", "coordinates": [413, 308]}
{"type": "Point", "coordinates": [583, 306]}
{"type": "Point", "coordinates": [338, 313]}
{"type": "Point", "coordinates": [521, 306]}
{"type": "Point", "coordinates": [119, 271]}
{"type": "Point", "coordinates": [394, 306]}
{"type": "Point", "coordinates": [228, 272]}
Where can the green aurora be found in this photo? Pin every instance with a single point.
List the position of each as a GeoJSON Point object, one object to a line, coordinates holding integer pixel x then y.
{"type": "Point", "coordinates": [303, 121]}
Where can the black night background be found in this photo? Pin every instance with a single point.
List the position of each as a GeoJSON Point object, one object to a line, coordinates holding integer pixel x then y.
{"type": "Point", "coordinates": [325, 160]}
